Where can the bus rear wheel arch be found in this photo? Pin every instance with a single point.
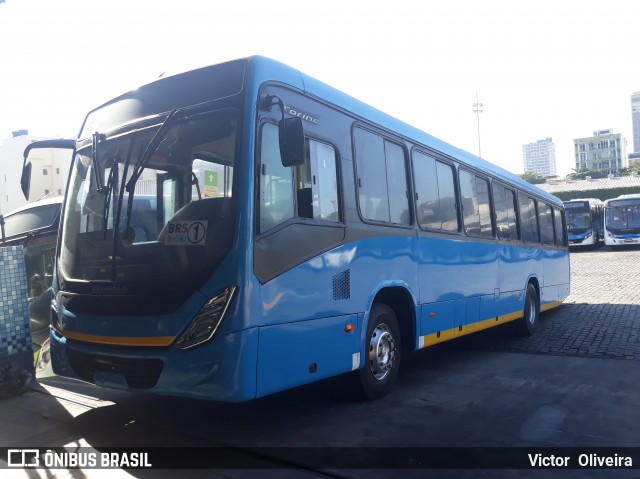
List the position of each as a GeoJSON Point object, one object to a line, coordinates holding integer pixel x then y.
{"type": "Point", "coordinates": [383, 352]}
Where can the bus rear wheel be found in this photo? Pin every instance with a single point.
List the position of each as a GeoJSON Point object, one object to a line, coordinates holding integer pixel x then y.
{"type": "Point", "coordinates": [382, 354]}
{"type": "Point", "coordinates": [531, 314]}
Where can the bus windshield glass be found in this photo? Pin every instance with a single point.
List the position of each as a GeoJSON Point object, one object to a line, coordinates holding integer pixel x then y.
{"type": "Point", "coordinates": [623, 216]}
{"type": "Point", "coordinates": [578, 216]}
{"type": "Point", "coordinates": [171, 222]}
{"type": "Point", "coordinates": [30, 220]}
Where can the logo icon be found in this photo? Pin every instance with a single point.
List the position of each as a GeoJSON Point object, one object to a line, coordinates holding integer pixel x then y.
{"type": "Point", "coordinates": [24, 458]}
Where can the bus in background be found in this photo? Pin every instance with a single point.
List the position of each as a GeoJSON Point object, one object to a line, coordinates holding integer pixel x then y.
{"type": "Point", "coordinates": [622, 220]}
{"type": "Point", "coordinates": [295, 234]}
{"type": "Point", "coordinates": [35, 227]}
{"type": "Point", "coordinates": [584, 221]}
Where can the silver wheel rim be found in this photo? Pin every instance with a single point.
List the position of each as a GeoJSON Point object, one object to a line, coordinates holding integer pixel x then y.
{"type": "Point", "coordinates": [382, 352]}
{"type": "Point", "coordinates": [531, 310]}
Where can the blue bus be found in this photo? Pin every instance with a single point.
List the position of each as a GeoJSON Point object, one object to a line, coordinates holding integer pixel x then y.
{"type": "Point", "coordinates": [622, 220]}
{"type": "Point", "coordinates": [585, 218]}
{"type": "Point", "coordinates": [295, 234]}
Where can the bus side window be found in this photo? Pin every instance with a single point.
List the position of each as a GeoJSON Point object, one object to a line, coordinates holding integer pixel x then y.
{"type": "Point", "coordinates": [276, 182]}
{"type": "Point", "coordinates": [559, 231]}
{"type": "Point", "coordinates": [505, 206]}
{"type": "Point", "coordinates": [317, 180]}
{"type": "Point", "coordinates": [435, 193]}
{"type": "Point", "coordinates": [528, 221]}
{"type": "Point", "coordinates": [545, 214]}
{"type": "Point", "coordinates": [476, 212]}
{"type": "Point", "coordinates": [382, 179]}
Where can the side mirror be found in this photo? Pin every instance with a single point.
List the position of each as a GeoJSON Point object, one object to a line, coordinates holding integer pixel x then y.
{"type": "Point", "coordinates": [291, 141]}
{"type": "Point", "coordinates": [25, 180]}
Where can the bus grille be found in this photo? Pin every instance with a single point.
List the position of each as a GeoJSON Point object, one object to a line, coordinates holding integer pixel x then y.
{"type": "Point", "coordinates": [138, 373]}
{"type": "Point", "coordinates": [342, 285]}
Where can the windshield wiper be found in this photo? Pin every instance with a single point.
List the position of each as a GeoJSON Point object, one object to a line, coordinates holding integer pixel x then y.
{"type": "Point", "coordinates": [108, 189]}
{"type": "Point", "coordinates": [142, 161]}
{"type": "Point", "coordinates": [97, 138]}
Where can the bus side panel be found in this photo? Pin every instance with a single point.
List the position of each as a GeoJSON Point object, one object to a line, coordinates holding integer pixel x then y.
{"type": "Point", "coordinates": [339, 281]}
{"type": "Point", "coordinates": [452, 268]}
{"type": "Point", "coordinates": [325, 294]}
{"type": "Point", "coordinates": [298, 353]}
{"type": "Point", "coordinates": [556, 276]}
{"type": "Point", "coordinates": [437, 317]}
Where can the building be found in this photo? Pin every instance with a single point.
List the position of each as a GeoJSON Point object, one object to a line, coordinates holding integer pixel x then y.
{"type": "Point", "coordinates": [50, 168]}
{"type": "Point", "coordinates": [635, 121]}
{"type": "Point", "coordinates": [604, 151]}
{"type": "Point", "coordinates": [540, 157]}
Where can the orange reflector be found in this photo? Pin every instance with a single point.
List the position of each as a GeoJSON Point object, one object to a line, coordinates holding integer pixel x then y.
{"type": "Point", "coordinates": [432, 314]}
{"type": "Point", "coordinates": [349, 328]}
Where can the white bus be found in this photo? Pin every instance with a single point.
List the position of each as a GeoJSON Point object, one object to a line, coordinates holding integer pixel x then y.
{"type": "Point", "coordinates": [622, 220]}
{"type": "Point", "coordinates": [584, 221]}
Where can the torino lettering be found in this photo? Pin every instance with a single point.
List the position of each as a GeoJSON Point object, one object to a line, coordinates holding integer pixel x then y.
{"type": "Point", "coordinates": [303, 116]}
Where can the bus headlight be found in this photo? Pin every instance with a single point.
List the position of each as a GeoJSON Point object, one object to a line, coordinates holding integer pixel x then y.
{"type": "Point", "coordinates": [588, 235]}
{"type": "Point", "coordinates": [206, 323]}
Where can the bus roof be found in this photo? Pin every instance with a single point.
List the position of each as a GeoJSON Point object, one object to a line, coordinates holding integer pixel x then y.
{"type": "Point", "coordinates": [635, 196]}
{"type": "Point", "coordinates": [590, 200]}
{"type": "Point", "coordinates": [267, 69]}
{"type": "Point", "coordinates": [263, 69]}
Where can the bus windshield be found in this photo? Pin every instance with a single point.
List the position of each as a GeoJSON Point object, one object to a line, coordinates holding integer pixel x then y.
{"type": "Point", "coordinates": [623, 216]}
{"type": "Point", "coordinates": [178, 221]}
{"type": "Point", "coordinates": [30, 219]}
{"type": "Point", "coordinates": [578, 218]}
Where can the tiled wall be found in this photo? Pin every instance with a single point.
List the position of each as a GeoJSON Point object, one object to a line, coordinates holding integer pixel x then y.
{"type": "Point", "coordinates": [15, 335]}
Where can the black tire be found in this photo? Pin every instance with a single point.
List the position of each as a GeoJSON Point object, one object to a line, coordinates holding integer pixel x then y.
{"type": "Point", "coordinates": [530, 320]}
{"type": "Point", "coordinates": [382, 354]}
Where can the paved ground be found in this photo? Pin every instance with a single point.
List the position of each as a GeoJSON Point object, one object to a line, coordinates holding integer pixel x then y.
{"type": "Point", "coordinates": [574, 384]}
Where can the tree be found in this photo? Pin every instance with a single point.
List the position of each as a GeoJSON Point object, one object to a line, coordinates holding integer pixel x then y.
{"type": "Point", "coordinates": [532, 177]}
{"type": "Point", "coordinates": [582, 173]}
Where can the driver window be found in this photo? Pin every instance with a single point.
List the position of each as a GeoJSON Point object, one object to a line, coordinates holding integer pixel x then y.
{"type": "Point", "coordinates": [276, 182]}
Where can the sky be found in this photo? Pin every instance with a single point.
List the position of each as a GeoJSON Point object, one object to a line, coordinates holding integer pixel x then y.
{"type": "Point", "coordinates": [545, 68]}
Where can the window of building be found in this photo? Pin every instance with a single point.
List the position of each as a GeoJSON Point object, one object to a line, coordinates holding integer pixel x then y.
{"type": "Point", "coordinates": [382, 179]}
{"type": "Point", "coordinates": [435, 193]}
{"type": "Point", "coordinates": [45, 172]}
{"type": "Point", "coordinates": [57, 171]}
{"type": "Point", "coordinates": [476, 210]}
{"type": "Point", "coordinates": [46, 192]}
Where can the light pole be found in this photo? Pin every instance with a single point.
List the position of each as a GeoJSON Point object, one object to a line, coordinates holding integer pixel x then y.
{"type": "Point", "coordinates": [478, 108]}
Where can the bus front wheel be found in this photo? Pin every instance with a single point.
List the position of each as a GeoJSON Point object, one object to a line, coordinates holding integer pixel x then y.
{"type": "Point", "coordinates": [382, 353]}
{"type": "Point", "coordinates": [531, 317]}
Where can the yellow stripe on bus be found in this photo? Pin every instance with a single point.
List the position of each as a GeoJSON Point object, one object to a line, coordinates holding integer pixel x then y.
{"type": "Point", "coordinates": [548, 306]}
{"type": "Point", "coordinates": [120, 341]}
{"type": "Point", "coordinates": [441, 336]}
